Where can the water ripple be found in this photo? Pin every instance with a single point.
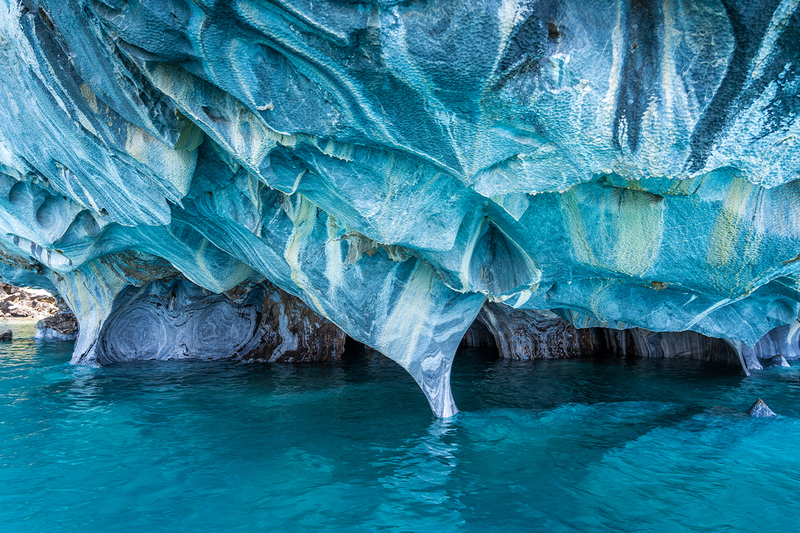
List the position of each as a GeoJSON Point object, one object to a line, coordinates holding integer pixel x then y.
{"type": "Point", "coordinates": [547, 446]}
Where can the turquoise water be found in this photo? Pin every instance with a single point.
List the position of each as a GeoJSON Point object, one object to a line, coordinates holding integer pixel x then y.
{"type": "Point", "coordinates": [548, 446]}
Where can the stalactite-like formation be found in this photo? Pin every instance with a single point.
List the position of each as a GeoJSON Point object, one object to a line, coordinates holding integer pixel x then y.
{"type": "Point", "coordinates": [396, 164]}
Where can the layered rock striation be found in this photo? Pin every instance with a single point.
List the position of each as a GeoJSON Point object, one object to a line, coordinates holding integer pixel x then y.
{"type": "Point", "coordinates": [177, 319]}
{"type": "Point", "coordinates": [524, 334]}
{"type": "Point", "coordinates": [395, 164]}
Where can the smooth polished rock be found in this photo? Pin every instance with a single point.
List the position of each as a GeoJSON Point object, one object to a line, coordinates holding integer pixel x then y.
{"type": "Point", "coordinates": [176, 319]}
{"type": "Point", "coordinates": [396, 164]}
{"type": "Point", "coordinates": [784, 340]}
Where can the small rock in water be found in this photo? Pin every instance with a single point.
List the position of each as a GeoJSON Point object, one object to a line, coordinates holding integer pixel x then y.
{"type": "Point", "coordinates": [5, 337]}
{"type": "Point", "coordinates": [760, 410]}
{"type": "Point", "coordinates": [63, 326]}
{"type": "Point", "coordinates": [778, 360]}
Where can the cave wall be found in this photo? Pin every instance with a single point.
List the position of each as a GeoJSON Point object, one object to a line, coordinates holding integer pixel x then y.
{"type": "Point", "coordinates": [176, 319]}
{"type": "Point", "coordinates": [395, 164]}
{"type": "Point", "coordinates": [525, 334]}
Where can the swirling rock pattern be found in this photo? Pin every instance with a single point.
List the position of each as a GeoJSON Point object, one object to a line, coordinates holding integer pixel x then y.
{"type": "Point", "coordinates": [177, 319]}
{"type": "Point", "coordinates": [394, 164]}
{"type": "Point", "coordinates": [524, 334]}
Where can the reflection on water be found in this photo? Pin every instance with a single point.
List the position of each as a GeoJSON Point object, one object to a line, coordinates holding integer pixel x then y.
{"type": "Point", "coordinates": [571, 445]}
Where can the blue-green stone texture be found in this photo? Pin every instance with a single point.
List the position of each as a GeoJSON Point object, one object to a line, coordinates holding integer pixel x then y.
{"type": "Point", "coordinates": [395, 164]}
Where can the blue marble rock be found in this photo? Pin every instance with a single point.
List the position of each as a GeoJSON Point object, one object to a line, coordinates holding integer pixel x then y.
{"type": "Point", "coordinates": [760, 410]}
{"type": "Point", "coordinates": [783, 341]}
{"type": "Point", "coordinates": [176, 319]}
{"type": "Point", "coordinates": [394, 165]}
{"type": "Point", "coordinates": [525, 334]}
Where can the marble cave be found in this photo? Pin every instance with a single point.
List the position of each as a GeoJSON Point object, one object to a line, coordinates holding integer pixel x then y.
{"type": "Point", "coordinates": [261, 179]}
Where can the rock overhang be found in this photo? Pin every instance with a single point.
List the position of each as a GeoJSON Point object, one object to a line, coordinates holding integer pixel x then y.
{"type": "Point", "coordinates": [396, 164]}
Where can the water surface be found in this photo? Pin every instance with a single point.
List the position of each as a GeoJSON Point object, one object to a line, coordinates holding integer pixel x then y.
{"type": "Point", "coordinates": [568, 445]}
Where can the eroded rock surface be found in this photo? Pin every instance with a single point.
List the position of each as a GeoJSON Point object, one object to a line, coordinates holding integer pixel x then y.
{"type": "Point", "coordinates": [783, 340]}
{"type": "Point", "coordinates": [394, 164]}
{"type": "Point", "coordinates": [62, 326]}
{"type": "Point", "coordinates": [176, 319]}
{"type": "Point", "coordinates": [290, 332]}
{"type": "Point", "coordinates": [525, 334]}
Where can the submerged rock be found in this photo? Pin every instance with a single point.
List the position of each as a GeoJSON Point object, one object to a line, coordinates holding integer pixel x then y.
{"type": "Point", "coordinates": [6, 336]}
{"type": "Point", "coordinates": [760, 410]}
{"type": "Point", "coordinates": [394, 165]}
